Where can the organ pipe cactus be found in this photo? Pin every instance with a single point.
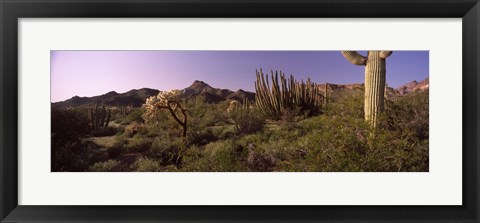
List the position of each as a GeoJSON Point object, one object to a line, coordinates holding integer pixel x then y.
{"type": "Point", "coordinates": [170, 101]}
{"type": "Point", "coordinates": [375, 74]}
{"type": "Point", "coordinates": [99, 118]}
{"type": "Point", "coordinates": [286, 93]}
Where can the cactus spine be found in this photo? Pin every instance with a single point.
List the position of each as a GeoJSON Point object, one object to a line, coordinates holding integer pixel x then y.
{"type": "Point", "coordinates": [286, 93]}
{"type": "Point", "coordinates": [375, 74]}
{"type": "Point", "coordinates": [99, 117]}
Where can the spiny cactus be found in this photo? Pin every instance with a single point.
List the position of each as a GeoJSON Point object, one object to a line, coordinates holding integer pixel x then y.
{"type": "Point", "coordinates": [325, 96]}
{"type": "Point", "coordinates": [236, 105]}
{"type": "Point", "coordinates": [99, 118]}
{"type": "Point", "coordinates": [167, 100]}
{"type": "Point", "coordinates": [286, 93]}
{"type": "Point", "coordinates": [375, 75]}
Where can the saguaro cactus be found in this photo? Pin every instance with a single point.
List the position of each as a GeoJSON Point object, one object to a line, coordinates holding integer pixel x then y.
{"type": "Point", "coordinates": [375, 73]}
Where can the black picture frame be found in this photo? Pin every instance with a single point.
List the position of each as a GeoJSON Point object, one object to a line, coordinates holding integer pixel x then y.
{"type": "Point", "coordinates": [12, 10]}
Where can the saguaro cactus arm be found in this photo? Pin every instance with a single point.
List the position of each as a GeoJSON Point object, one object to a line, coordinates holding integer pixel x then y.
{"type": "Point", "coordinates": [355, 58]}
{"type": "Point", "coordinates": [385, 54]}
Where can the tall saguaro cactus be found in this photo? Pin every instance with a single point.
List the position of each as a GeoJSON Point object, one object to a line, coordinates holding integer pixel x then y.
{"type": "Point", "coordinates": [375, 73]}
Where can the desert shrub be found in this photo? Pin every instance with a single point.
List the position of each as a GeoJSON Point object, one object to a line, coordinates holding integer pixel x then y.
{"type": "Point", "coordinates": [225, 156]}
{"type": "Point", "coordinates": [248, 121]}
{"type": "Point", "coordinates": [162, 123]}
{"type": "Point", "coordinates": [259, 159]}
{"type": "Point", "coordinates": [204, 114]}
{"type": "Point", "coordinates": [291, 116]}
{"type": "Point", "coordinates": [134, 116]}
{"type": "Point", "coordinates": [139, 143]}
{"type": "Point", "coordinates": [268, 149]}
{"type": "Point", "coordinates": [227, 132]}
{"type": "Point", "coordinates": [347, 143]}
{"type": "Point", "coordinates": [120, 141]}
{"type": "Point", "coordinates": [106, 166]}
{"type": "Point", "coordinates": [68, 126]}
{"type": "Point", "coordinates": [409, 114]}
{"type": "Point", "coordinates": [73, 156]}
{"type": "Point", "coordinates": [108, 131]}
{"type": "Point", "coordinates": [223, 132]}
{"type": "Point", "coordinates": [120, 131]}
{"type": "Point", "coordinates": [334, 143]}
{"type": "Point", "coordinates": [195, 160]}
{"type": "Point", "coordinates": [168, 151]}
{"type": "Point", "coordinates": [351, 107]}
{"type": "Point", "coordinates": [68, 152]}
{"type": "Point", "coordinates": [133, 128]}
{"type": "Point", "coordinates": [144, 164]}
{"type": "Point", "coordinates": [200, 138]}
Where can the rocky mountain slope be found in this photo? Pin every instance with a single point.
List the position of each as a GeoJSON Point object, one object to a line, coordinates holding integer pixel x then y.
{"type": "Point", "coordinates": [137, 97]}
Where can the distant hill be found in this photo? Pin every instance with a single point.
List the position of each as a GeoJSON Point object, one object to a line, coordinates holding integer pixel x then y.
{"type": "Point", "coordinates": [133, 98]}
{"type": "Point", "coordinates": [213, 95]}
{"type": "Point", "coordinates": [413, 86]}
{"type": "Point", "coordinates": [137, 97]}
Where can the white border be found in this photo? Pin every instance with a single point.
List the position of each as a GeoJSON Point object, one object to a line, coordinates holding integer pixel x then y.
{"type": "Point", "coordinates": [441, 186]}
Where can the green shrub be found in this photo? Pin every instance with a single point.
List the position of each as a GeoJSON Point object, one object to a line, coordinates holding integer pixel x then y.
{"type": "Point", "coordinates": [73, 156]}
{"type": "Point", "coordinates": [223, 132]}
{"type": "Point", "coordinates": [248, 120]}
{"type": "Point", "coordinates": [68, 152]}
{"type": "Point", "coordinates": [134, 116]}
{"type": "Point", "coordinates": [144, 164]}
{"type": "Point", "coordinates": [139, 144]}
{"type": "Point", "coordinates": [225, 156]}
{"type": "Point", "coordinates": [133, 128]}
{"type": "Point", "coordinates": [168, 151]}
{"type": "Point", "coordinates": [106, 166]}
{"type": "Point", "coordinates": [200, 138]}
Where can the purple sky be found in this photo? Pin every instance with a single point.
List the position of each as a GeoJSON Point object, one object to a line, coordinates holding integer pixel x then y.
{"type": "Point", "coordinates": [90, 73]}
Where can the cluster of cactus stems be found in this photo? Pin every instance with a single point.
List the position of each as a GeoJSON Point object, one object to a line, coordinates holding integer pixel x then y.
{"type": "Point", "coordinates": [99, 117]}
{"type": "Point", "coordinates": [375, 77]}
{"type": "Point", "coordinates": [285, 93]}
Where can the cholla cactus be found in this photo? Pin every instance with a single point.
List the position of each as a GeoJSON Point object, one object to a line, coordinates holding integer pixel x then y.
{"type": "Point", "coordinates": [232, 106]}
{"type": "Point", "coordinates": [375, 74]}
{"type": "Point", "coordinates": [167, 100]}
{"type": "Point", "coordinates": [236, 105]}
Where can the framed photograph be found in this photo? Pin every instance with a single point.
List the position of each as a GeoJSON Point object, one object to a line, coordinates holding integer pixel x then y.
{"type": "Point", "coordinates": [227, 111]}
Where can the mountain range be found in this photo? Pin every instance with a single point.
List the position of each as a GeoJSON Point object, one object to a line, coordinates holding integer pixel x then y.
{"type": "Point", "coordinates": [137, 97]}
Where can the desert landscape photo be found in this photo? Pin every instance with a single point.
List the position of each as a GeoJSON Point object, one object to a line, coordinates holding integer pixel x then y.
{"type": "Point", "coordinates": [239, 111]}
